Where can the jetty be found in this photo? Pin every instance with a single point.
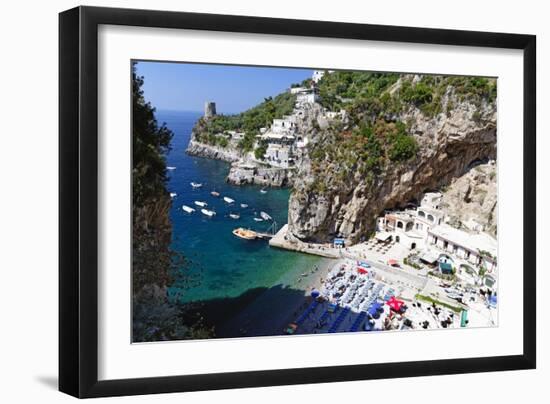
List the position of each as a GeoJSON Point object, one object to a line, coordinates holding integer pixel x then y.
{"type": "Point", "coordinates": [282, 239]}
{"type": "Point", "coordinates": [269, 233]}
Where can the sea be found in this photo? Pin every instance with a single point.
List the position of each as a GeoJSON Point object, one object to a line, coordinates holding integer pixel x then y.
{"type": "Point", "coordinates": [224, 266]}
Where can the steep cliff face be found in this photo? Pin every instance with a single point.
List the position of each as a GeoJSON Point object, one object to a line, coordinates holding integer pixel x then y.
{"type": "Point", "coordinates": [471, 199]}
{"type": "Point", "coordinates": [332, 196]}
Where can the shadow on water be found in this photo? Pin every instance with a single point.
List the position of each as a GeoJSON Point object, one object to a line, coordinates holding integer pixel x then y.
{"type": "Point", "coordinates": [267, 312]}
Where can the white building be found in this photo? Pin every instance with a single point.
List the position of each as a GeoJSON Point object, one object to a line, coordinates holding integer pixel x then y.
{"type": "Point", "coordinates": [280, 150]}
{"type": "Point", "coordinates": [471, 253]}
{"type": "Point", "coordinates": [310, 97]}
{"type": "Point", "coordinates": [297, 90]}
{"type": "Point", "coordinates": [477, 250]}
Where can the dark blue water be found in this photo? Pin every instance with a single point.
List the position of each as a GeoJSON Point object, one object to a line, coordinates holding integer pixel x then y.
{"type": "Point", "coordinates": [226, 265]}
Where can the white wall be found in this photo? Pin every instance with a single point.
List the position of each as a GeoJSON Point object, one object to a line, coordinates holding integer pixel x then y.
{"type": "Point", "coordinates": [28, 206]}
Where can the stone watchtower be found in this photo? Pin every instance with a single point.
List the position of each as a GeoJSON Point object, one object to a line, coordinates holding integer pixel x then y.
{"type": "Point", "coordinates": [209, 109]}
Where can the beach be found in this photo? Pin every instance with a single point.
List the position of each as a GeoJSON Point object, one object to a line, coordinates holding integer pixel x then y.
{"type": "Point", "coordinates": [272, 309]}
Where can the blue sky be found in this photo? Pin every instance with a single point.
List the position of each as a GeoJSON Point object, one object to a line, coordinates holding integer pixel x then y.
{"type": "Point", "coordinates": [186, 86]}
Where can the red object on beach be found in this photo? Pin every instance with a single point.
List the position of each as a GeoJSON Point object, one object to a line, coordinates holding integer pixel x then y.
{"type": "Point", "coordinates": [395, 304]}
{"type": "Point", "coordinates": [393, 263]}
{"type": "Point", "coordinates": [362, 270]}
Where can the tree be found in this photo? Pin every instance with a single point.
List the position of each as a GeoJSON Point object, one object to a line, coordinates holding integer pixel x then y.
{"type": "Point", "coordinates": [151, 142]}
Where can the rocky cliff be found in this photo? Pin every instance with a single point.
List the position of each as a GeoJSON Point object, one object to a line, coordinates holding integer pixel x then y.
{"type": "Point", "coordinates": [340, 190]}
{"type": "Point", "coordinates": [471, 200]}
{"type": "Point", "coordinates": [242, 174]}
{"type": "Point", "coordinates": [199, 149]}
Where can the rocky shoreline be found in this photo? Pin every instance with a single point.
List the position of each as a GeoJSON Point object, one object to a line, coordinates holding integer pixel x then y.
{"type": "Point", "coordinates": [199, 149]}
{"type": "Point", "coordinates": [243, 173]}
{"type": "Point", "coordinates": [254, 174]}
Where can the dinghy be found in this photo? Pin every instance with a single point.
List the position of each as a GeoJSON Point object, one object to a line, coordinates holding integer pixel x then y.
{"type": "Point", "coordinates": [265, 216]}
{"type": "Point", "coordinates": [196, 185]}
{"type": "Point", "coordinates": [228, 199]}
{"type": "Point", "coordinates": [201, 204]}
{"type": "Point", "coordinates": [188, 209]}
{"type": "Point", "coordinates": [207, 212]}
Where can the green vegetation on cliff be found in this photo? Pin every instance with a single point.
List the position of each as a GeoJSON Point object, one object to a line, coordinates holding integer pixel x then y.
{"type": "Point", "coordinates": [250, 121]}
{"type": "Point", "coordinates": [377, 134]}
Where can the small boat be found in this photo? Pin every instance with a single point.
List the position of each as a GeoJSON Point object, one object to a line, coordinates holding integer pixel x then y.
{"type": "Point", "coordinates": [207, 212]}
{"type": "Point", "coordinates": [173, 194]}
{"type": "Point", "coordinates": [244, 205]}
{"type": "Point", "coordinates": [215, 193]}
{"type": "Point", "coordinates": [188, 209]}
{"type": "Point", "coordinates": [234, 216]}
{"type": "Point", "coordinates": [265, 216]}
{"type": "Point", "coordinates": [228, 199]}
{"type": "Point", "coordinates": [245, 234]}
{"type": "Point", "coordinates": [196, 185]}
{"type": "Point", "coordinates": [170, 168]}
{"type": "Point", "coordinates": [201, 204]}
{"type": "Point", "coordinates": [263, 191]}
{"type": "Point", "coordinates": [258, 219]}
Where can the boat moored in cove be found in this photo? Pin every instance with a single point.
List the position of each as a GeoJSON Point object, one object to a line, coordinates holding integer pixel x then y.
{"type": "Point", "coordinates": [188, 209]}
{"type": "Point", "coordinates": [265, 216]}
{"type": "Point", "coordinates": [245, 234]}
{"type": "Point", "coordinates": [201, 204]}
{"type": "Point", "coordinates": [207, 212]}
{"type": "Point", "coordinates": [196, 185]}
{"type": "Point", "coordinates": [234, 216]}
{"type": "Point", "coordinates": [244, 205]}
{"type": "Point", "coordinates": [173, 194]}
{"type": "Point", "coordinates": [228, 199]}
{"type": "Point", "coordinates": [215, 193]}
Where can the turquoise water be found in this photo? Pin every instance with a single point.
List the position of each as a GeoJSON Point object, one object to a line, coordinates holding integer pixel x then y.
{"type": "Point", "coordinates": [226, 265]}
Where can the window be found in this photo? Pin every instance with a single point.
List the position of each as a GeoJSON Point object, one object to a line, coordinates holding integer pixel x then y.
{"type": "Point", "coordinates": [431, 218]}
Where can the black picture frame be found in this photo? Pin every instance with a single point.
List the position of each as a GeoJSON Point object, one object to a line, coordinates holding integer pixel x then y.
{"type": "Point", "coordinates": [78, 201]}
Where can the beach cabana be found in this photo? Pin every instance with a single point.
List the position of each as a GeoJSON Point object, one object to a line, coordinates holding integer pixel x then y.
{"type": "Point", "coordinates": [383, 236]}
{"type": "Point", "coordinates": [339, 242]}
{"type": "Point", "coordinates": [445, 268]}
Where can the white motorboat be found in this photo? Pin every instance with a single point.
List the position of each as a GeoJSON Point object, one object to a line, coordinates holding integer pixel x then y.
{"type": "Point", "coordinates": [201, 204]}
{"type": "Point", "coordinates": [170, 168]}
{"type": "Point", "coordinates": [263, 191]}
{"type": "Point", "coordinates": [265, 216]}
{"type": "Point", "coordinates": [196, 185]}
{"type": "Point", "coordinates": [244, 205]}
{"type": "Point", "coordinates": [188, 209]}
{"type": "Point", "coordinates": [215, 193]}
{"type": "Point", "coordinates": [228, 199]}
{"type": "Point", "coordinates": [258, 219]}
{"type": "Point", "coordinates": [207, 212]}
{"type": "Point", "coordinates": [234, 216]}
{"type": "Point", "coordinates": [173, 194]}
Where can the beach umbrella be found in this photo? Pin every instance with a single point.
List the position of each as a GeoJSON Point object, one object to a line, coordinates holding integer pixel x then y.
{"type": "Point", "coordinates": [315, 293]}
